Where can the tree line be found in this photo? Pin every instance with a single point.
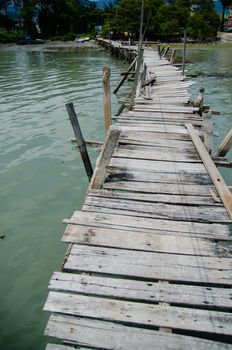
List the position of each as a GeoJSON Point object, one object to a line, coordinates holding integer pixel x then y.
{"type": "Point", "coordinates": [162, 18]}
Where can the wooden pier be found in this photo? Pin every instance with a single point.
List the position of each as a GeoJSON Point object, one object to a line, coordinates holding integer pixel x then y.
{"type": "Point", "coordinates": [149, 261]}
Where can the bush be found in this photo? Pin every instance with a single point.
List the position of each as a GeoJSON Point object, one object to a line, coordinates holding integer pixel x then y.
{"type": "Point", "coordinates": [10, 37]}
{"type": "Point", "coordinates": [69, 37]}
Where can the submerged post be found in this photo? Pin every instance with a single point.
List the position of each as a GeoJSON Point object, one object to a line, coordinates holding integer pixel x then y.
{"type": "Point", "coordinates": [107, 101]}
{"type": "Point", "coordinates": [80, 140]}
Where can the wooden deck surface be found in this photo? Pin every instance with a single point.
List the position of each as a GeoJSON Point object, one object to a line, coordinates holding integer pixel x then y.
{"type": "Point", "coordinates": [149, 262]}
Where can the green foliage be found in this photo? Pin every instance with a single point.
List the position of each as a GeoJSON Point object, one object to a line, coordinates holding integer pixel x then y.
{"type": "Point", "coordinates": [10, 37]}
{"type": "Point", "coordinates": [63, 18]}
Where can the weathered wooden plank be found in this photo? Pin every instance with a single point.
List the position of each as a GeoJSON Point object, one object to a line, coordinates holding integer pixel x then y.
{"type": "Point", "coordinates": [157, 210]}
{"type": "Point", "coordinates": [109, 335]}
{"type": "Point", "coordinates": [146, 224]}
{"type": "Point", "coordinates": [125, 239]}
{"type": "Point", "coordinates": [140, 313]}
{"type": "Point", "coordinates": [158, 166]}
{"type": "Point", "coordinates": [143, 152]}
{"type": "Point", "coordinates": [157, 128]}
{"type": "Point", "coordinates": [157, 197]}
{"type": "Point", "coordinates": [104, 158]}
{"type": "Point", "coordinates": [61, 347]}
{"type": "Point", "coordinates": [143, 135]}
{"type": "Point", "coordinates": [148, 265]}
{"type": "Point", "coordinates": [116, 174]}
{"type": "Point", "coordinates": [148, 187]}
{"type": "Point", "coordinates": [152, 141]}
{"type": "Point", "coordinates": [140, 122]}
{"type": "Point", "coordinates": [142, 291]}
{"type": "Point", "coordinates": [215, 175]}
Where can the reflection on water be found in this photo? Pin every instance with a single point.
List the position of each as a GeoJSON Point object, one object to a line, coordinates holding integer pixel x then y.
{"type": "Point", "coordinates": [42, 178]}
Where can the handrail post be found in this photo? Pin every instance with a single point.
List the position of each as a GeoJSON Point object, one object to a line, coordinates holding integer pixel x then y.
{"type": "Point", "coordinates": [107, 101]}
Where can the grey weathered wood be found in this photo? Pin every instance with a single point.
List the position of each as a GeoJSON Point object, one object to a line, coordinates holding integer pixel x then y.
{"type": "Point", "coordinates": [132, 240]}
{"type": "Point", "coordinates": [214, 322]}
{"type": "Point", "coordinates": [159, 198]}
{"type": "Point", "coordinates": [59, 347]}
{"type": "Point", "coordinates": [169, 154]}
{"type": "Point", "coordinates": [104, 158]}
{"type": "Point", "coordinates": [80, 140]}
{"type": "Point", "coordinates": [216, 177]}
{"type": "Point", "coordinates": [147, 224]}
{"type": "Point", "coordinates": [157, 210]}
{"type": "Point", "coordinates": [148, 265]}
{"type": "Point", "coordinates": [179, 294]}
{"type": "Point", "coordinates": [107, 100]}
{"type": "Point", "coordinates": [109, 335]}
{"type": "Point", "coordinates": [148, 187]}
{"type": "Point", "coordinates": [225, 146]}
{"type": "Point", "coordinates": [116, 174]}
{"type": "Point", "coordinates": [159, 166]}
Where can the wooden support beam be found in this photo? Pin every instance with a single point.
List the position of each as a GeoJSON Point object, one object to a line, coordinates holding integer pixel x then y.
{"type": "Point", "coordinates": [213, 172]}
{"type": "Point", "coordinates": [126, 75]}
{"type": "Point", "coordinates": [80, 140]}
{"type": "Point", "coordinates": [107, 101]}
{"type": "Point", "coordinates": [104, 158]}
{"type": "Point", "coordinates": [225, 146]}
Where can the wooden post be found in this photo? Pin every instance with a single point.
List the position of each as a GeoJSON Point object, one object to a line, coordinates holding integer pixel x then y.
{"type": "Point", "coordinates": [166, 51]}
{"type": "Point", "coordinates": [184, 51]}
{"type": "Point", "coordinates": [141, 27]}
{"type": "Point", "coordinates": [172, 58]}
{"type": "Point", "coordinates": [137, 74]}
{"type": "Point", "coordinates": [213, 172]}
{"type": "Point", "coordinates": [80, 140]}
{"type": "Point", "coordinates": [159, 50]}
{"type": "Point", "coordinates": [225, 146]}
{"type": "Point", "coordinates": [107, 101]}
{"type": "Point", "coordinates": [104, 158]}
{"type": "Point", "coordinates": [126, 75]}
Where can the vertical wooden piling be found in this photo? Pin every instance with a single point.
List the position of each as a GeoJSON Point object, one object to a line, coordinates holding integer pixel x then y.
{"type": "Point", "coordinates": [184, 51]}
{"type": "Point", "coordinates": [172, 58]}
{"type": "Point", "coordinates": [136, 80]}
{"type": "Point", "coordinates": [80, 140]}
{"type": "Point", "coordinates": [107, 100]}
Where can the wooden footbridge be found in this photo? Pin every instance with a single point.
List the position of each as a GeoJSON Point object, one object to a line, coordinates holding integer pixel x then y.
{"type": "Point", "coordinates": [149, 261]}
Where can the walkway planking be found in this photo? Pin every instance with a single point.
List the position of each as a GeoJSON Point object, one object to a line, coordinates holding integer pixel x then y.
{"type": "Point", "coordinates": [149, 260]}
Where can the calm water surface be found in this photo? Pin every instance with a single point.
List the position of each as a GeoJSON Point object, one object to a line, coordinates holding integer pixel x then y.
{"type": "Point", "coordinates": [42, 177]}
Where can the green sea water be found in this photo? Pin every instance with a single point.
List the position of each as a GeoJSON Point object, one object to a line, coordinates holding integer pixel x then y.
{"type": "Point", "coordinates": [42, 177]}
